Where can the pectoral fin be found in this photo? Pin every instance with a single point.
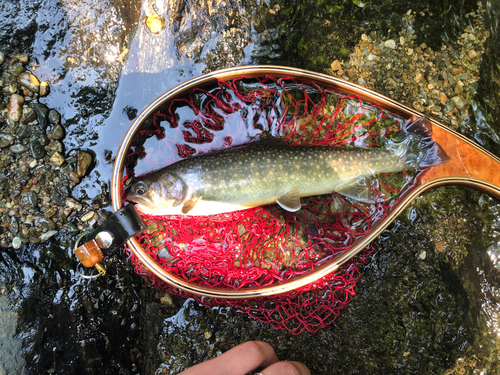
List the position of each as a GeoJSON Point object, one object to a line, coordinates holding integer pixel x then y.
{"type": "Point", "coordinates": [364, 190]}
{"type": "Point", "coordinates": [290, 201]}
{"type": "Point", "coordinates": [189, 205]}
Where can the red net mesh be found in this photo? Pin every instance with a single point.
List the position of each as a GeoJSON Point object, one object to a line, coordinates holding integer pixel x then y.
{"type": "Point", "coordinates": [266, 245]}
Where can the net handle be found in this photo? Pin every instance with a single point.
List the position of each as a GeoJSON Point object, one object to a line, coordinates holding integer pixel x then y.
{"type": "Point", "coordinates": [470, 165]}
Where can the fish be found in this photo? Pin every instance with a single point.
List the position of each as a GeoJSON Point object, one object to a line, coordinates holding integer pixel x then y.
{"type": "Point", "coordinates": [262, 174]}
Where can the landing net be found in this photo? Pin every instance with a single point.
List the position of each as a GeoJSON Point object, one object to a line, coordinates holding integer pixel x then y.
{"type": "Point", "coordinates": [266, 245]}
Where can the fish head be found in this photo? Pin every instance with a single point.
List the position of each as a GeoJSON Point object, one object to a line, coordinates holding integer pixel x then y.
{"type": "Point", "coordinates": [157, 193]}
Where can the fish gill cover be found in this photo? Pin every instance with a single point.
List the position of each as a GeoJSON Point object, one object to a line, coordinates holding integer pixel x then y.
{"type": "Point", "coordinates": [266, 245]}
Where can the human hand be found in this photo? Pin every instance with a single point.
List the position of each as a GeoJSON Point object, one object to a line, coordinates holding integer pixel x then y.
{"type": "Point", "coordinates": [245, 358]}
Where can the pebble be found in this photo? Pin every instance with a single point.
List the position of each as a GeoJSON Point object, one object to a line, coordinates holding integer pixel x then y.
{"type": "Point", "coordinates": [33, 198]}
{"type": "Point", "coordinates": [18, 149]}
{"type": "Point", "coordinates": [472, 54]}
{"type": "Point", "coordinates": [16, 243]}
{"type": "Point", "coordinates": [57, 132]}
{"type": "Point", "coordinates": [47, 235]}
{"type": "Point", "coordinates": [361, 81]}
{"type": "Point", "coordinates": [2, 58]}
{"type": "Point", "coordinates": [58, 199]}
{"type": "Point", "coordinates": [167, 300]}
{"type": "Point", "coordinates": [51, 211]}
{"type": "Point", "coordinates": [16, 69]}
{"type": "Point", "coordinates": [44, 88]}
{"type": "Point", "coordinates": [29, 81]}
{"type": "Point", "coordinates": [83, 161]}
{"type": "Point", "coordinates": [6, 140]}
{"type": "Point", "coordinates": [29, 115]}
{"type": "Point", "coordinates": [14, 226]}
{"type": "Point", "coordinates": [336, 65]}
{"type": "Point", "coordinates": [22, 58]}
{"type": "Point", "coordinates": [89, 215]}
{"type": "Point", "coordinates": [47, 223]}
{"type": "Point", "coordinates": [390, 43]}
{"type": "Point", "coordinates": [74, 177]}
{"type": "Point", "coordinates": [23, 132]}
{"type": "Point", "coordinates": [55, 146]}
{"type": "Point", "coordinates": [15, 108]}
{"type": "Point", "coordinates": [418, 77]}
{"type": "Point", "coordinates": [54, 117]}
{"type": "Point", "coordinates": [37, 150]}
{"type": "Point", "coordinates": [73, 204]}
{"type": "Point", "coordinates": [42, 112]}
{"type": "Point", "coordinates": [443, 98]}
{"type": "Point", "coordinates": [449, 106]}
{"type": "Point", "coordinates": [459, 102]}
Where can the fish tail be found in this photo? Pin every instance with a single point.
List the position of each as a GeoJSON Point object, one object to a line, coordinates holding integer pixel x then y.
{"type": "Point", "coordinates": [421, 151]}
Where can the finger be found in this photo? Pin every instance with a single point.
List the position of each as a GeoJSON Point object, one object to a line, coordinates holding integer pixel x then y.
{"type": "Point", "coordinates": [239, 360]}
{"type": "Point", "coordinates": [286, 368]}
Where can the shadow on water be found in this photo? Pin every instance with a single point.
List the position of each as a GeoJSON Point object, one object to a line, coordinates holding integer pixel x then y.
{"type": "Point", "coordinates": [428, 301]}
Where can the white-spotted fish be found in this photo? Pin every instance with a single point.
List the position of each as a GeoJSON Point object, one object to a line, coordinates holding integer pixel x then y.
{"type": "Point", "coordinates": [257, 175]}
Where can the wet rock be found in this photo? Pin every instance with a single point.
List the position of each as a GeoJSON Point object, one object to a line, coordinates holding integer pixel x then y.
{"type": "Point", "coordinates": [66, 168]}
{"type": "Point", "coordinates": [74, 177]}
{"type": "Point", "coordinates": [51, 211]}
{"type": "Point", "coordinates": [55, 146]}
{"type": "Point", "coordinates": [54, 117]}
{"type": "Point", "coordinates": [58, 199]}
{"type": "Point", "coordinates": [28, 116]}
{"type": "Point", "coordinates": [29, 81]}
{"type": "Point", "coordinates": [2, 58]}
{"type": "Point", "coordinates": [42, 112]}
{"type": "Point", "coordinates": [23, 58]}
{"type": "Point", "coordinates": [47, 223]}
{"type": "Point", "coordinates": [47, 235]}
{"type": "Point", "coordinates": [14, 226]}
{"type": "Point", "coordinates": [16, 69]}
{"type": "Point", "coordinates": [73, 204]}
{"type": "Point", "coordinates": [18, 149]}
{"type": "Point", "coordinates": [37, 150]}
{"type": "Point", "coordinates": [443, 98]}
{"type": "Point", "coordinates": [15, 108]}
{"type": "Point", "coordinates": [57, 159]}
{"type": "Point", "coordinates": [44, 88]}
{"type": "Point", "coordinates": [459, 102]}
{"type": "Point", "coordinates": [390, 43]}
{"type": "Point", "coordinates": [24, 132]}
{"type": "Point", "coordinates": [33, 198]}
{"type": "Point", "coordinates": [44, 140]}
{"type": "Point", "coordinates": [70, 227]}
{"type": "Point", "coordinates": [449, 106]}
{"type": "Point", "coordinates": [89, 215]}
{"type": "Point", "coordinates": [6, 140]}
{"type": "Point", "coordinates": [16, 243]}
{"type": "Point", "coordinates": [336, 65]}
{"type": "Point", "coordinates": [57, 132]}
{"type": "Point", "coordinates": [472, 54]}
{"type": "Point", "coordinates": [83, 162]}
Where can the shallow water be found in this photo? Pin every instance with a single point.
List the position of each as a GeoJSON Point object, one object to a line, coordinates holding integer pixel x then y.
{"type": "Point", "coordinates": [413, 313]}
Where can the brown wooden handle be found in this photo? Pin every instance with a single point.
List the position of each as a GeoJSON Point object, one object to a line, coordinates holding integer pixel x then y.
{"type": "Point", "coordinates": [469, 165]}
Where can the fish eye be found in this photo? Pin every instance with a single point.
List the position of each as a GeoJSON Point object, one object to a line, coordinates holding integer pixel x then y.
{"type": "Point", "coordinates": [140, 188]}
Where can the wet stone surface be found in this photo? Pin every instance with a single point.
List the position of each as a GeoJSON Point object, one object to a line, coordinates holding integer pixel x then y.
{"type": "Point", "coordinates": [428, 299]}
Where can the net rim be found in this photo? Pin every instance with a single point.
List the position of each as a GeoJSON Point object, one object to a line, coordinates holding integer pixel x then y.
{"type": "Point", "coordinates": [261, 71]}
